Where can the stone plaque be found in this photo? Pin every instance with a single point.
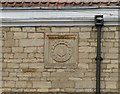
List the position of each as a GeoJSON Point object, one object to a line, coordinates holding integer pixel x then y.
{"type": "Point", "coordinates": [61, 50]}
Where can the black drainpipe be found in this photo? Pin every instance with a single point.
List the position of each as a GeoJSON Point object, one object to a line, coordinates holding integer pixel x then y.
{"type": "Point", "coordinates": [99, 21]}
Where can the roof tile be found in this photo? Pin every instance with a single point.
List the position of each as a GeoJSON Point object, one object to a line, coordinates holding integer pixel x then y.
{"type": "Point", "coordinates": [31, 3]}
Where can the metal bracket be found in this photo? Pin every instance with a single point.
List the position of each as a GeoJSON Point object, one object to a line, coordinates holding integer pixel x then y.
{"type": "Point", "coordinates": [99, 58]}
{"type": "Point", "coordinates": [99, 21]}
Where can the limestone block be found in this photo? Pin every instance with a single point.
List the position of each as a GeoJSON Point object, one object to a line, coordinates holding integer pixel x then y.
{"type": "Point", "coordinates": [24, 65]}
{"type": "Point", "coordinates": [108, 34]}
{"type": "Point", "coordinates": [86, 28]}
{"type": "Point", "coordinates": [36, 65]}
{"type": "Point", "coordinates": [16, 29]}
{"type": "Point", "coordinates": [111, 85]}
{"type": "Point", "coordinates": [36, 35]}
{"type": "Point", "coordinates": [9, 84]}
{"type": "Point", "coordinates": [111, 66]}
{"type": "Point", "coordinates": [20, 55]}
{"type": "Point", "coordinates": [83, 55]}
{"type": "Point", "coordinates": [31, 42]}
{"type": "Point", "coordinates": [28, 29]}
{"type": "Point", "coordinates": [5, 29]}
{"type": "Point", "coordinates": [21, 84]}
{"type": "Point", "coordinates": [83, 65]}
{"type": "Point", "coordinates": [6, 50]}
{"type": "Point", "coordinates": [108, 44]}
{"type": "Point", "coordinates": [42, 85]}
{"type": "Point", "coordinates": [46, 74]}
{"type": "Point", "coordinates": [60, 29]}
{"type": "Point", "coordinates": [12, 65]}
{"type": "Point", "coordinates": [17, 49]}
{"type": "Point", "coordinates": [9, 43]}
{"type": "Point", "coordinates": [62, 84]}
{"type": "Point", "coordinates": [84, 44]}
{"type": "Point", "coordinates": [17, 43]}
{"type": "Point", "coordinates": [113, 28]}
{"type": "Point", "coordinates": [85, 84]}
{"type": "Point", "coordinates": [42, 90]}
{"type": "Point", "coordinates": [44, 29]}
{"type": "Point", "coordinates": [7, 55]}
{"type": "Point", "coordinates": [113, 50]}
{"type": "Point", "coordinates": [84, 35]}
{"type": "Point", "coordinates": [54, 90]}
{"type": "Point", "coordinates": [75, 29]}
{"type": "Point", "coordinates": [105, 29]}
{"type": "Point", "coordinates": [13, 60]}
{"type": "Point", "coordinates": [20, 35]}
{"type": "Point", "coordinates": [111, 56]}
{"type": "Point", "coordinates": [9, 35]}
{"type": "Point", "coordinates": [30, 49]}
{"type": "Point", "coordinates": [87, 49]}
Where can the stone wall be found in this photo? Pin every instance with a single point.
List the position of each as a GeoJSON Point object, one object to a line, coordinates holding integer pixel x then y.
{"type": "Point", "coordinates": [58, 59]}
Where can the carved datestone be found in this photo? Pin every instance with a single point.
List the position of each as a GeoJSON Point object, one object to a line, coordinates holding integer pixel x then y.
{"type": "Point", "coordinates": [61, 50]}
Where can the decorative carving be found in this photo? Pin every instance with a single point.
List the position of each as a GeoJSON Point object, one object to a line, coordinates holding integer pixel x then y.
{"type": "Point", "coordinates": [61, 50]}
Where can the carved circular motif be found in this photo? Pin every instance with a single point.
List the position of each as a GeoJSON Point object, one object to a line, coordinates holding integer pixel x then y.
{"type": "Point", "coordinates": [61, 51]}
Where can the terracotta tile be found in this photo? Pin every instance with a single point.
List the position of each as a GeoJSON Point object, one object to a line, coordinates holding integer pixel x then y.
{"type": "Point", "coordinates": [29, 3]}
{"type": "Point", "coordinates": [44, 4]}
{"type": "Point", "coordinates": [19, 4]}
{"type": "Point", "coordinates": [11, 4]}
{"type": "Point", "coordinates": [53, 4]}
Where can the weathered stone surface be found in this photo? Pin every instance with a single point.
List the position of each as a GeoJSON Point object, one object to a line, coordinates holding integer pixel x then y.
{"type": "Point", "coordinates": [6, 50]}
{"type": "Point", "coordinates": [24, 59]}
{"type": "Point", "coordinates": [86, 49]}
{"type": "Point", "coordinates": [9, 84]}
{"type": "Point", "coordinates": [21, 84]}
{"type": "Point", "coordinates": [30, 49]}
{"type": "Point", "coordinates": [28, 29]}
{"type": "Point", "coordinates": [36, 35]}
{"type": "Point", "coordinates": [12, 65]}
{"type": "Point", "coordinates": [44, 29]}
{"type": "Point", "coordinates": [85, 84]}
{"type": "Point", "coordinates": [9, 35]}
{"type": "Point", "coordinates": [113, 28]}
{"type": "Point", "coordinates": [62, 84]}
{"type": "Point", "coordinates": [40, 84]}
{"type": "Point", "coordinates": [75, 29]}
{"type": "Point", "coordinates": [111, 56]}
{"type": "Point", "coordinates": [9, 42]}
{"type": "Point", "coordinates": [31, 42]}
{"type": "Point", "coordinates": [20, 35]}
{"type": "Point", "coordinates": [111, 85]}
{"type": "Point", "coordinates": [60, 29]}
{"type": "Point", "coordinates": [86, 28]}
{"type": "Point", "coordinates": [61, 47]}
{"type": "Point", "coordinates": [109, 35]}
{"type": "Point", "coordinates": [84, 35]}
{"type": "Point", "coordinates": [17, 49]}
{"type": "Point", "coordinates": [16, 29]}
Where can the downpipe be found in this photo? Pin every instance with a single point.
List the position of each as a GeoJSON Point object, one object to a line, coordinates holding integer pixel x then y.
{"type": "Point", "coordinates": [99, 22]}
